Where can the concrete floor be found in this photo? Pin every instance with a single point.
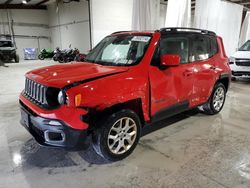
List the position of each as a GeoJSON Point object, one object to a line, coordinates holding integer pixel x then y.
{"type": "Point", "coordinates": [191, 150]}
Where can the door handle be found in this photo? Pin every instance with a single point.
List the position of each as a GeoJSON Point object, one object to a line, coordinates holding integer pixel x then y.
{"type": "Point", "coordinates": [187, 73]}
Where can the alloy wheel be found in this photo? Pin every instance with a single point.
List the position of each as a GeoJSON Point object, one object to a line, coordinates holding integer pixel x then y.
{"type": "Point", "coordinates": [122, 135]}
{"type": "Point", "coordinates": [218, 98]}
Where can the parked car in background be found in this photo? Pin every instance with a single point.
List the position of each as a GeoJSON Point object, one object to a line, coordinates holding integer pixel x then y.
{"type": "Point", "coordinates": [8, 49]}
{"type": "Point", "coordinates": [130, 79]}
{"type": "Point", "coordinates": [240, 62]}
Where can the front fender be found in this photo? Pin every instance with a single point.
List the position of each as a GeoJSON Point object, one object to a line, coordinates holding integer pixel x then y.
{"type": "Point", "coordinates": [109, 91]}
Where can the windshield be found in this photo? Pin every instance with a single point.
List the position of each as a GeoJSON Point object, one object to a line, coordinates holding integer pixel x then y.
{"type": "Point", "coordinates": [245, 47]}
{"type": "Point", "coordinates": [5, 44]}
{"type": "Point", "coordinates": [119, 50]}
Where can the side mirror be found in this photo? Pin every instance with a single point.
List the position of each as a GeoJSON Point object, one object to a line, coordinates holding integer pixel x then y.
{"type": "Point", "coordinates": [170, 60]}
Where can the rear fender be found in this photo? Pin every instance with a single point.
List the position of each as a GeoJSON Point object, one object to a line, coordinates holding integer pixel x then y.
{"type": "Point", "coordinates": [224, 79]}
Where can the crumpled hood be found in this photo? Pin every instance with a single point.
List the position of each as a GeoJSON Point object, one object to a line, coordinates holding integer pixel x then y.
{"type": "Point", "coordinates": [242, 55]}
{"type": "Point", "coordinates": [66, 74]}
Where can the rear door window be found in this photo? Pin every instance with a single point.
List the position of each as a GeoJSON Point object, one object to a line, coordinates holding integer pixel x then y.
{"type": "Point", "coordinates": [203, 47]}
{"type": "Point", "coordinates": [200, 48]}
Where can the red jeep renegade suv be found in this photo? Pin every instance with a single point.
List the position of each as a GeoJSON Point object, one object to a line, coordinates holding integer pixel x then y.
{"type": "Point", "coordinates": [128, 80]}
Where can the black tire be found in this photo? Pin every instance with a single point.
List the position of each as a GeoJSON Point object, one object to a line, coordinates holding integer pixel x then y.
{"type": "Point", "coordinates": [60, 59]}
{"type": "Point", "coordinates": [101, 143]}
{"type": "Point", "coordinates": [209, 107]}
{"type": "Point", "coordinates": [41, 57]}
{"type": "Point", "coordinates": [55, 58]}
{"type": "Point", "coordinates": [77, 58]}
{"type": "Point", "coordinates": [233, 78]}
{"type": "Point", "coordinates": [17, 58]}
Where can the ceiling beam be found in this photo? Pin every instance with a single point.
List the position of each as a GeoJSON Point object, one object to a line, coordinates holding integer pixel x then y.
{"type": "Point", "coordinates": [242, 1]}
{"type": "Point", "coordinates": [22, 6]}
{"type": "Point", "coordinates": [245, 3]}
{"type": "Point", "coordinates": [191, 0]}
{"type": "Point", "coordinates": [42, 2]}
{"type": "Point", "coordinates": [8, 2]}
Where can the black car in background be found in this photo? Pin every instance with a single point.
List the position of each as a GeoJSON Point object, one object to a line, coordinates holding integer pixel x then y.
{"type": "Point", "coordinates": [7, 49]}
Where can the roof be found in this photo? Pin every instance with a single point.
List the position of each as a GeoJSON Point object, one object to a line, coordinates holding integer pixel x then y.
{"type": "Point", "coordinates": [168, 30]}
{"type": "Point", "coordinates": [133, 32]}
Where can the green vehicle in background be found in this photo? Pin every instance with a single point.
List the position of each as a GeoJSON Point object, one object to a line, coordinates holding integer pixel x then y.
{"type": "Point", "coordinates": [46, 53]}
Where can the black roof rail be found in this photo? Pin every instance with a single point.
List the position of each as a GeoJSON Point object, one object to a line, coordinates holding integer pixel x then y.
{"type": "Point", "coordinates": [121, 32]}
{"type": "Point", "coordinates": [175, 29]}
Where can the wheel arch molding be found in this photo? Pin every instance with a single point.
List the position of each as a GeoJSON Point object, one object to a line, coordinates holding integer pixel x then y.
{"type": "Point", "coordinates": [94, 116]}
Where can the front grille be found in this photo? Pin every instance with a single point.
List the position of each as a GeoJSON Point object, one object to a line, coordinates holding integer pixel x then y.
{"type": "Point", "coordinates": [7, 52]}
{"type": "Point", "coordinates": [35, 92]}
{"type": "Point", "coordinates": [240, 73]}
{"type": "Point", "coordinates": [242, 62]}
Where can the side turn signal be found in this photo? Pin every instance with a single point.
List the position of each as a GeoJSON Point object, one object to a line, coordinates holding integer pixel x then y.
{"type": "Point", "coordinates": [78, 99]}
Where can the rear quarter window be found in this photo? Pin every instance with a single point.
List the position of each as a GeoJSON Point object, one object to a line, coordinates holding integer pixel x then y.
{"type": "Point", "coordinates": [213, 46]}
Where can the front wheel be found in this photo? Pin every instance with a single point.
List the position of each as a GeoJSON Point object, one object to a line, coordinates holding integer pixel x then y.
{"type": "Point", "coordinates": [60, 59]}
{"type": "Point", "coordinates": [216, 101]}
{"type": "Point", "coordinates": [17, 58]}
{"type": "Point", "coordinates": [55, 58]}
{"type": "Point", "coordinates": [41, 57]}
{"type": "Point", "coordinates": [119, 135]}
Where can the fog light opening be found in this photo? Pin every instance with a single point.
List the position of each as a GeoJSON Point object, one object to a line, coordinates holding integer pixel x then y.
{"type": "Point", "coordinates": [54, 136]}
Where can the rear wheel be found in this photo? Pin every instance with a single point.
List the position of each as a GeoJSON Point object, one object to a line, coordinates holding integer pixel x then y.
{"type": "Point", "coordinates": [233, 78]}
{"type": "Point", "coordinates": [216, 100]}
{"type": "Point", "coordinates": [119, 135]}
{"type": "Point", "coordinates": [17, 58]}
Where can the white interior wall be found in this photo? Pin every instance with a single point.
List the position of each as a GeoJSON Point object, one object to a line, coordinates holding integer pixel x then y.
{"type": "Point", "coordinates": [109, 16]}
{"type": "Point", "coordinates": [163, 11]}
{"type": "Point", "coordinates": [178, 13]}
{"type": "Point", "coordinates": [146, 14]}
{"type": "Point", "coordinates": [29, 23]}
{"type": "Point", "coordinates": [245, 30]}
{"type": "Point", "coordinates": [69, 24]}
{"type": "Point", "coordinates": [222, 17]}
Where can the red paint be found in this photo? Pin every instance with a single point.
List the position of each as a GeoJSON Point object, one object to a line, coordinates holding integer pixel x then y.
{"type": "Point", "coordinates": [69, 115]}
{"type": "Point", "coordinates": [157, 88]}
{"type": "Point", "coordinates": [170, 60]}
{"type": "Point", "coordinates": [60, 75]}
